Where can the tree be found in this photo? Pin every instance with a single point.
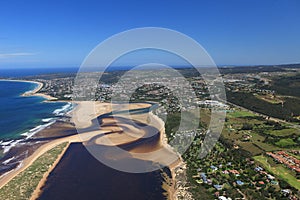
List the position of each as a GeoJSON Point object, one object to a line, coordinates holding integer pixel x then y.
{"type": "Point", "coordinates": [247, 126]}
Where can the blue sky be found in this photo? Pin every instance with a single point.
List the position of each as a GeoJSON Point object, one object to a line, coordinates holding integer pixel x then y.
{"type": "Point", "coordinates": [234, 32]}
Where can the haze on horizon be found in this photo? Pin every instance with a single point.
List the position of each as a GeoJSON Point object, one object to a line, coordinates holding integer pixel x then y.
{"type": "Point", "coordinates": [62, 33]}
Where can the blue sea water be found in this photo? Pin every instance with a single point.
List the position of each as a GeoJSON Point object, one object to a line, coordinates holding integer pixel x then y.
{"type": "Point", "coordinates": [21, 117]}
{"type": "Point", "coordinates": [22, 72]}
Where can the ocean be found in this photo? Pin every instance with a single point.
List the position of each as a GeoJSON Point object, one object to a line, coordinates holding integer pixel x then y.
{"type": "Point", "coordinates": [21, 117]}
{"type": "Point", "coordinates": [22, 72]}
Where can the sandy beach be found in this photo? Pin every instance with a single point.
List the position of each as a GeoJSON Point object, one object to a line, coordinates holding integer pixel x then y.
{"type": "Point", "coordinates": [35, 91]}
{"type": "Point", "coordinates": [120, 132]}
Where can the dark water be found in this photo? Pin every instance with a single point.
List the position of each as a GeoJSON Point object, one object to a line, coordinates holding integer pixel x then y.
{"type": "Point", "coordinates": [80, 176]}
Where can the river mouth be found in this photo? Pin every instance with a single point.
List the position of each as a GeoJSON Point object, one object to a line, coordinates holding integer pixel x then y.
{"type": "Point", "coordinates": [112, 131]}
{"type": "Point", "coordinates": [132, 143]}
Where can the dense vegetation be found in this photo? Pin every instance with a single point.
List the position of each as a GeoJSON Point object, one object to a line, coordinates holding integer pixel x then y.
{"type": "Point", "coordinates": [287, 111]}
{"type": "Point", "coordinates": [22, 186]}
{"type": "Point", "coordinates": [286, 85]}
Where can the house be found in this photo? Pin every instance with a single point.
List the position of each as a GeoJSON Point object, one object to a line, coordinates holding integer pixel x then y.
{"type": "Point", "coordinates": [286, 192]}
{"type": "Point", "coordinates": [258, 169]}
{"type": "Point", "coordinates": [218, 187]}
{"type": "Point", "coordinates": [240, 183]}
{"type": "Point", "coordinates": [246, 137]}
{"type": "Point", "coordinates": [270, 177]}
{"type": "Point", "coordinates": [261, 182]}
{"type": "Point", "coordinates": [209, 181]}
{"type": "Point", "coordinates": [263, 172]}
{"type": "Point", "coordinates": [235, 172]}
{"type": "Point", "coordinates": [274, 182]}
{"type": "Point", "coordinates": [217, 194]}
{"type": "Point", "coordinates": [222, 198]}
{"type": "Point", "coordinates": [204, 177]}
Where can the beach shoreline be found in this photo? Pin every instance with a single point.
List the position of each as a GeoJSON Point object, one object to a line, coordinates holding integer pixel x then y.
{"type": "Point", "coordinates": [4, 179]}
{"type": "Point", "coordinates": [12, 148]}
{"type": "Point", "coordinates": [35, 91]}
{"type": "Point", "coordinates": [20, 149]}
{"type": "Point", "coordinates": [176, 168]}
{"type": "Point", "coordinates": [36, 193]}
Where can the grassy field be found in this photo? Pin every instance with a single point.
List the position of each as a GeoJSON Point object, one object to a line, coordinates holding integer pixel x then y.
{"type": "Point", "coordinates": [286, 142]}
{"type": "Point", "coordinates": [263, 135]}
{"type": "Point", "coordinates": [22, 186]}
{"type": "Point", "coordinates": [267, 147]}
{"type": "Point", "coordinates": [270, 98]}
{"type": "Point", "coordinates": [280, 171]}
{"type": "Point", "coordinates": [240, 113]}
{"type": "Point", "coordinates": [284, 132]}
